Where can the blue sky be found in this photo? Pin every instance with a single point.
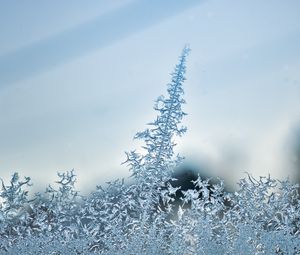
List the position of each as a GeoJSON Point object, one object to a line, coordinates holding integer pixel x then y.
{"type": "Point", "coordinates": [78, 79]}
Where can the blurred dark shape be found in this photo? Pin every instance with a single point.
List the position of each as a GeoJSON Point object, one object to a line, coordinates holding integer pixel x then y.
{"type": "Point", "coordinates": [183, 178]}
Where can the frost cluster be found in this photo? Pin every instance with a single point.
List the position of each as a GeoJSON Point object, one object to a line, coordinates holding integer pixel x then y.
{"type": "Point", "coordinates": [261, 217]}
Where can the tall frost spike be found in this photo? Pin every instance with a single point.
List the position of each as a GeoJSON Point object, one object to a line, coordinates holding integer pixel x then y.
{"type": "Point", "coordinates": [156, 164]}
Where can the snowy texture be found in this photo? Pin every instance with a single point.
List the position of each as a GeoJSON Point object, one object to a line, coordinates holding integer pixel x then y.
{"type": "Point", "coordinates": [261, 217]}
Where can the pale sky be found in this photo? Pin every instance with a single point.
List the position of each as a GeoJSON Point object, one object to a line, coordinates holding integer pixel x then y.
{"type": "Point", "coordinates": [79, 78]}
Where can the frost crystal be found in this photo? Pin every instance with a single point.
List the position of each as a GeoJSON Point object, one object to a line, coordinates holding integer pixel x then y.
{"type": "Point", "coordinates": [261, 217]}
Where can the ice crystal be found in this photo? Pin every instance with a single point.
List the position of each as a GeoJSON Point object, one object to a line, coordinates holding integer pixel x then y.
{"type": "Point", "coordinates": [261, 217]}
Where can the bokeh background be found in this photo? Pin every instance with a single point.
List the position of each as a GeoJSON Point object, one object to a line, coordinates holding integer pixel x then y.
{"type": "Point", "coordinates": [79, 78]}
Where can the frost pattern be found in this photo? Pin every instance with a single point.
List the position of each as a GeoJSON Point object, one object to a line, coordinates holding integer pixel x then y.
{"type": "Point", "coordinates": [261, 217]}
